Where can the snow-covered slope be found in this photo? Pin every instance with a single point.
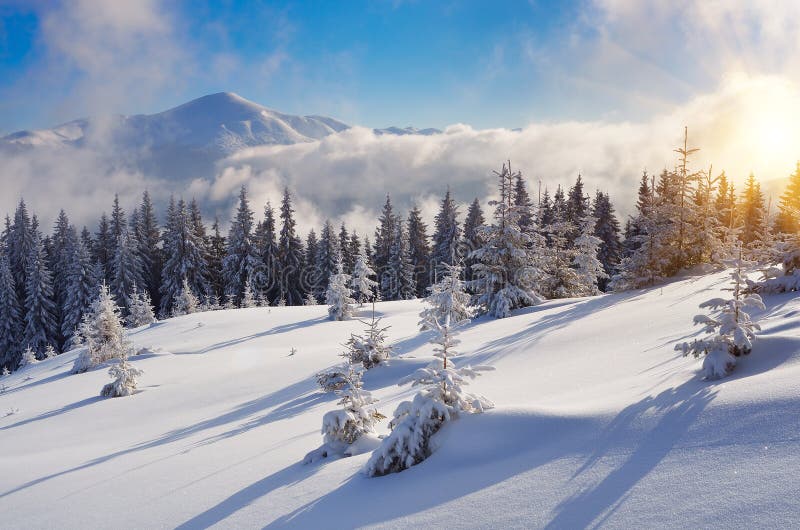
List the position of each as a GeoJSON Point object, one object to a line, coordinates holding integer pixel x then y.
{"type": "Point", "coordinates": [598, 422]}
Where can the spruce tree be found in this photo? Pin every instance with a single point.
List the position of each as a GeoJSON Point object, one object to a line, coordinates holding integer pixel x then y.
{"type": "Point", "coordinates": [522, 200]}
{"type": "Point", "coordinates": [10, 316]}
{"type": "Point", "coordinates": [127, 269]}
{"type": "Point", "coordinates": [419, 251]}
{"type": "Point", "coordinates": [290, 256]}
{"type": "Point", "coordinates": [338, 296]}
{"type": "Point", "coordinates": [752, 210]}
{"type": "Point", "coordinates": [446, 236]}
{"type": "Point", "coordinates": [149, 250]}
{"type": "Point", "coordinates": [267, 247]}
{"type": "Point", "coordinates": [384, 239]}
{"type": "Point", "coordinates": [788, 221]}
{"type": "Point", "coordinates": [470, 240]}
{"type": "Point", "coordinates": [608, 230]}
{"type": "Point", "coordinates": [507, 265]}
{"type": "Point", "coordinates": [241, 258]}
{"type": "Point", "coordinates": [362, 284]}
{"type": "Point", "coordinates": [328, 255]}
{"type": "Point", "coordinates": [40, 324]}
{"type": "Point", "coordinates": [80, 286]}
{"type": "Point", "coordinates": [216, 253]}
{"type": "Point", "coordinates": [185, 260]}
{"type": "Point", "coordinates": [311, 273]}
{"type": "Point", "coordinates": [589, 268]}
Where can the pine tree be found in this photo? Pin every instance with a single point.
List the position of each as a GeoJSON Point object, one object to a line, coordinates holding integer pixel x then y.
{"type": "Point", "coordinates": [185, 260]}
{"type": "Point", "coordinates": [290, 256]}
{"type": "Point", "coordinates": [241, 259]}
{"type": "Point", "coordinates": [216, 253]}
{"type": "Point", "coordinates": [28, 358]}
{"type": "Point", "coordinates": [338, 297]}
{"type": "Point", "coordinates": [788, 221]}
{"type": "Point", "coordinates": [20, 246]}
{"type": "Point", "coordinates": [103, 332]}
{"type": "Point", "coordinates": [384, 239]}
{"type": "Point", "coordinates": [441, 399]}
{"type": "Point", "coordinates": [311, 273]}
{"type": "Point", "coordinates": [40, 325]}
{"type": "Point", "coordinates": [446, 236]}
{"type": "Point", "coordinates": [328, 255]}
{"type": "Point", "coordinates": [707, 235]}
{"type": "Point", "coordinates": [362, 284]}
{"type": "Point", "coordinates": [731, 331]}
{"type": "Point", "coordinates": [400, 265]}
{"type": "Point", "coordinates": [58, 265]}
{"type": "Point", "coordinates": [507, 266]}
{"type": "Point", "coordinates": [370, 349]}
{"type": "Point", "coordinates": [148, 238]}
{"type": "Point", "coordinates": [10, 316]}
{"type": "Point", "coordinates": [522, 200]}
{"type": "Point", "coordinates": [447, 301]}
{"type": "Point", "coordinates": [419, 251]}
{"type": "Point", "coordinates": [560, 278]}
{"type": "Point", "coordinates": [126, 268]}
{"type": "Point", "coordinates": [185, 301]}
{"type": "Point", "coordinates": [249, 297]}
{"type": "Point", "coordinates": [124, 375]}
{"type": "Point", "coordinates": [589, 268]}
{"type": "Point", "coordinates": [470, 239]}
{"type": "Point", "coordinates": [267, 247]}
{"type": "Point", "coordinates": [348, 259]}
{"type": "Point", "coordinates": [140, 309]}
{"type": "Point", "coordinates": [608, 230]}
{"type": "Point", "coordinates": [576, 208]}
{"type": "Point", "coordinates": [102, 248]}
{"type": "Point", "coordinates": [752, 210]}
{"type": "Point", "coordinates": [80, 286]}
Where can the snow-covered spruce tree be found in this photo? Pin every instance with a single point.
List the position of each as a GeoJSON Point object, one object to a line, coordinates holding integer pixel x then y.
{"type": "Point", "coordinates": [608, 230]}
{"type": "Point", "coordinates": [290, 255]}
{"type": "Point", "coordinates": [28, 358]}
{"type": "Point", "coordinates": [730, 332]}
{"type": "Point", "coordinates": [384, 240]}
{"type": "Point", "coordinates": [446, 235]}
{"type": "Point", "coordinates": [80, 287]}
{"type": "Point", "coordinates": [10, 317]}
{"type": "Point", "coordinates": [560, 278]}
{"type": "Point", "coordinates": [419, 251]}
{"type": "Point", "coordinates": [40, 324]}
{"type": "Point", "coordinates": [310, 299]}
{"type": "Point", "coordinates": [788, 221]}
{"type": "Point", "coordinates": [441, 399]}
{"type": "Point", "coordinates": [586, 263]}
{"type": "Point", "coordinates": [342, 428]}
{"type": "Point", "coordinates": [447, 299]}
{"type": "Point", "coordinates": [362, 284]}
{"type": "Point", "coordinates": [124, 374]}
{"type": "Point", "coordinates": [338, 297]}
{"type": "Point", "coordinates": [185, 302]}
{"type": "Point", "coordinates": [241, 258]}
{"type": "Point", "coordinates": [127, 269]}
{"type": "Point", "coordinates": [507, 266]}
{"type": "Point", "coordinates": [470, 239]}
{"type": "Point", "coordinates": [185, 255]}
{"type": "Point", "coordinates": [329, 254]}
{"type": "Point", "coordinates": [787, 277]}
{"type": "Point", "coordinates": [103, 333]}
{"type": "Point", "coordinates": [249, 298]}
{"type": "Point", "coordinates": [50, 352]}
{"type": "Point", "coordinates": [369, 349]}
{"type": "Point", "coordinates": [266, 244]}
{"type": "Point", "coordinates": [140, 309]}
{"type": "Point", "coordinates": [149, 251]}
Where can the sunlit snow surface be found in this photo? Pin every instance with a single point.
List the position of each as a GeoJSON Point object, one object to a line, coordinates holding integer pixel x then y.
{"type": "Point", "coordinates": [598, 422]}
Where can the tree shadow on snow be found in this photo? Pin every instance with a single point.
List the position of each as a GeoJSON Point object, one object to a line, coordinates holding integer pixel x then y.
{"type": "Point", "coordinates": [673, 412]}
{"type": "Point", "coordinates": [56, 412]}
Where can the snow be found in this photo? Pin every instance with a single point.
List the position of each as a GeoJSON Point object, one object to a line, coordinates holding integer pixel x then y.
{"type": "Point", "coordinates": [597, 421]}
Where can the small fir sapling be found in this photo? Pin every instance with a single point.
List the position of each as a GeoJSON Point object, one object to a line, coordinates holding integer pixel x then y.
{"type": "Point", "coordinates": [249, 298]}
{"type": "Point", "coordinates": [50, 352]}
{"type": "Point", "coordinates": [124, 374]}
{"type": "Point", "coordinates": [342, 428]}
{"type": "Point", "coordinates": [103, 333]}
{"type": "Point", "coordinates": [730, 333]}
{"type": "Point", "coordinates": [310, 299]}
{"type": "Point", "coordinates": [185, 302]}
{"type": "Point", "coordinates": [28, 358]}
{"type": "Point", "coordinates": [140, 309]}
{"type": "Point", "coordinates": [447, 298]}
{"type": "Point", "coordinates": [369, 349]}
{"type": "Point", "coordinates": [441, 399]}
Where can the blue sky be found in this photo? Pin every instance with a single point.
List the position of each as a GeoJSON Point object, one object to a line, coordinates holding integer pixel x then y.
{"type": "Point", "coordinates": [377, 63]}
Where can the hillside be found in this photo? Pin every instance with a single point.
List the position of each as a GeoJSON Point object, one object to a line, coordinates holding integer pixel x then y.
{"type": "Point", "coordinates": [597, 422]}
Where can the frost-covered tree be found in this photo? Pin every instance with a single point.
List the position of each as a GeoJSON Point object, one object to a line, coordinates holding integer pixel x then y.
{"type": "Point", "coordinates": [384, 240]}
{"type": "Point", "coordinates": [216, 254]}
{"type": "Point", "coordinates": [140, 309]}
{"type": "Point", "coordinates": [507, 267]}
{"type": "Point", "coordinates": [149, 251]}
{"type": "Point", "coordinates": [50, 352]}
{"type": "Point", "coordinates": [788, 221]}
{"type": "Point", "coordinates": [185, 256]}
{"type": "Point", "coordinates": [447, 300]}
{"type": "Point", "coordinates": [311, 275]}
{"type": "Point", "coordinates": [127, 267]}
{"type": "Point", "coordinates": [362, 284]}
{"type": "Point", "coordinates": [404, 286]}
{"type": "Point", "coordinates": [370, 348]}
{"type": "Point", "coordinates": [40, 324]}
{"type": "Point", "coordinates": [103, 333]}
{"type": "Point", "coordinates": [310, 299]}
{"type": "Point", "coordinates": [28, 358]}
{"type": "Point", "coordinates": [267, 246]}
{"type": "Point", "coordinates": [124, 375]}
{"type": "Point", "coordinates": [241, 259]}
{"type": "Point", "coordinates": [575, 209]}
{"type": "Point", "coordinates": [752, 210]}
{"type": "Point", "coordinates": [249, 297]}
{"type": "Point", "coordinates": [729, 331]}
{"type": "Point", "coordinates": [329, 255]}
{"type": "Point", "coordinates": [338, 297]}
{"type": "Point", "coordinates": [586, 262]}
{"type": "Point", "coordinates": [560, 278]}
{"type": "Point", "coordinates": [185, 301]}
{"type": "Point", "coordinates": [608, 230]}
{"type": "Point", "coordinates": [441, 398]}
{"type": "Point", "coordinates": [343, 427]}
{"type": "Point", "coordinates": [10, 316]}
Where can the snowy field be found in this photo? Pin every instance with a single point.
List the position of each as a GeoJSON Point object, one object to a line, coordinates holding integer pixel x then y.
{"type": "Point", "coordinates": [598, 422]}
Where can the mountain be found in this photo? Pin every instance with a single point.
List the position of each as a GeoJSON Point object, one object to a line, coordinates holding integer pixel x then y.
{"type": "Point", "coordinates": [597, 422]}
{"type": "Point", "coordinates": [186, 141]}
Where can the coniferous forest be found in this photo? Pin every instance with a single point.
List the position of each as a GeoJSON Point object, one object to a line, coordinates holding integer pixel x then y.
{"type": "Point", "coordinates": [514, 250]}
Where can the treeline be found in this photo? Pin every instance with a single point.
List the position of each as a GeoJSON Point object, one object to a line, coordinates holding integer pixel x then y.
{"type": "Point", "coordinates": [564, 244]}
